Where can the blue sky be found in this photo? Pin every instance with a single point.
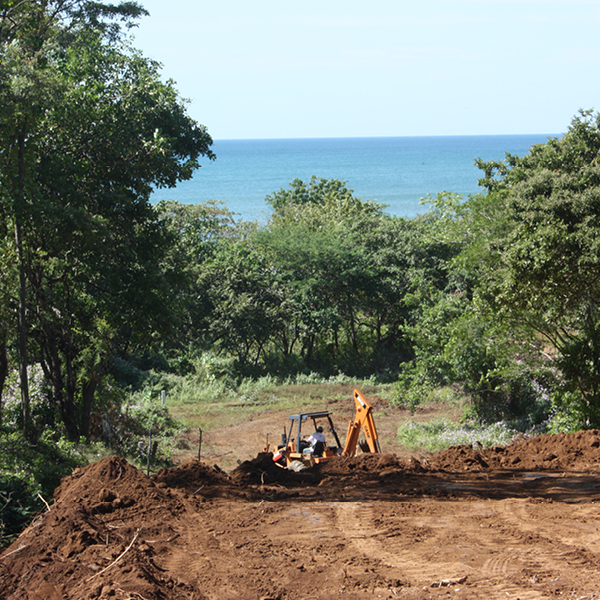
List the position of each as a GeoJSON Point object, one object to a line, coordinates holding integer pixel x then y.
{"type": "Point", "coordinates": [346, 68]}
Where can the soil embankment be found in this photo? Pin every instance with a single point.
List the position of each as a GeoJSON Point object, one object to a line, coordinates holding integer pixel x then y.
{"type": "Point", "coordinates": [521, 521]}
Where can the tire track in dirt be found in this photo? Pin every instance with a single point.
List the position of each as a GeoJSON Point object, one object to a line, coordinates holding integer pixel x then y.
{"type": "Point", "coordinates": [490, 552]}
{"type": "Point", "coordinates": [232, 557]}
{"type": "Point", "coordinates": [522, 558]}
{"type": "Point", "coordinates": [395, 545]}
{"type": "Point", "coordinates": [191, 553]}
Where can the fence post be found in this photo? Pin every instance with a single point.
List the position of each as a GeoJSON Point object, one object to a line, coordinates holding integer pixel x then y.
{"type": "Point", "coordinates": [149, 451]}
{"type": "Point", "coordinates": [199, 443]}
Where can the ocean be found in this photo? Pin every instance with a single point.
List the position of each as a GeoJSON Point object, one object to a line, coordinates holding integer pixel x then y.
{"type": "Point", "coordinates": [396, 171]}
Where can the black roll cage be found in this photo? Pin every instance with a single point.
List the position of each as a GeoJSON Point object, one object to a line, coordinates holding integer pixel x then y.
{"type": "Point", "coordinates": [297, 420]}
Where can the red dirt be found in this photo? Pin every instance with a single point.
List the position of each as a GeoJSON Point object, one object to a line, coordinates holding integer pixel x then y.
{"type": "Point", "coordinates": [521, 521]}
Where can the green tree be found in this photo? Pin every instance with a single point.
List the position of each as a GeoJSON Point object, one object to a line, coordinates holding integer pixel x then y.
{"type": "Point", "coordinates": [30, 34]}
{"type": "Point", "coordinates": [458, 334]}
{"type": "Point", "coordinates": [340, 261]}
{"type": "Point", "coordinates": [197, 231]}
{"type": "Point", "coordinates": [544, 272]}
{"type": "Point", "coordinates": [7, 293]}
{"type": "Point", "coordinates": [246, 304]}
{"type": "Point", "coordinates": [92, 247]}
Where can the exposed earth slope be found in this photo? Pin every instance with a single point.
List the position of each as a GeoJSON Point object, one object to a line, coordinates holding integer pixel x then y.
{"type": "Point", "coordinates": [516, 522]}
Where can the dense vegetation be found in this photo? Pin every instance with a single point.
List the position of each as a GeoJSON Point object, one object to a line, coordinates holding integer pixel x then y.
{"type": "Point", "coordinates": [105, 299]}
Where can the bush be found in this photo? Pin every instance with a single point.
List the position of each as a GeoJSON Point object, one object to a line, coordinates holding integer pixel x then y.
{"type": "Point", "coordinates": [518, 394]}
{"type": "Point", "coordinates": [28, 473]}
{"type": "Point", "coordinates": [570, 412]}
{"type": "Point", "coordinates": [413, 386]}
{"type": "Point", "coordinates": [142, 418]}
{"type": "Point", "coordinates": [434, 436]}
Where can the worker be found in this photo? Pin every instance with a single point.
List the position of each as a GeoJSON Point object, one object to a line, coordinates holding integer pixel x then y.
{"type": "Point", "coordinates": [317, 442]}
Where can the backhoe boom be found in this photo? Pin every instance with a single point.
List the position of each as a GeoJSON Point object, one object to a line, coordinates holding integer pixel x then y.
{"type": "Point", "coordinates": [363, 417]}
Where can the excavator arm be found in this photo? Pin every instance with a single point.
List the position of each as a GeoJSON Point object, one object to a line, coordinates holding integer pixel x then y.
{"type": "Point", "coordinates": [363, 418]}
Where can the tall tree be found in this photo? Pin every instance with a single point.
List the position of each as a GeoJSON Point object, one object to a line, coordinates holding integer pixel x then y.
{"type": "Point", "coordinates": [339, 258]}
{"type": "Point", "coordinates": [92, 246]}
{"type": "Point", "coordinates": [30, 33]}
{"type": "Point", "coordinates": [545, 271]}
{"type": "Point", "coordinates": [198, 231]}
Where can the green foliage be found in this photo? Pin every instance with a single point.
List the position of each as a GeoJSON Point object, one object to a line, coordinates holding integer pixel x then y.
{"type": "Point", "coordinates": [521, 395]}
{"type": "Point", "coordinates": [143, 420]}
{"type": "Point", "coordinates": [457, 337]}
{"type": "Point", "coordinates": [495, 297]}
{"type": "Point", "coordinates": [18, 504]}
{"type": "Point", "coordinates": [196, 233]}
{"type": "Point", "coordinates": [246, 305]}
{"type": "Point", "coordinates": [570, 411]}
{"type": "Point", "coordinates": [339, 262]}
{"type": "Point", "coordinates": [317, 192]}
{"type": "Point", "coordinates": [28, 471]}
{"type": "Point", "coordinates": [91, 129]}
{"type": "Point", "coordinates": [434, 436]}
{"type": "Point", "coordinates": [414, 386]}
{"type": "Point", "coordinates": [545, 268]}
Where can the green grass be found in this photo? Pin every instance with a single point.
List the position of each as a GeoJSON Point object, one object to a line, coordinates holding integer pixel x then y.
{"type": "Point", "coordinates": [440, 434]}
{"type": "Point", "coordinates": [449, 395]}
{"type": "Point", "coordinates": [205, 402]}
{"type": "Point", "coordinates": [197, 402]}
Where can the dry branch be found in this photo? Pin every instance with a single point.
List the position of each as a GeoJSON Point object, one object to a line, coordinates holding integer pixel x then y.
{"type": "Point", "coordinates": [116, 559]}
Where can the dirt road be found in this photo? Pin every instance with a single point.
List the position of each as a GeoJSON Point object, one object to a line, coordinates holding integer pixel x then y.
{"type": "Point", "coordinates": [515, 522]}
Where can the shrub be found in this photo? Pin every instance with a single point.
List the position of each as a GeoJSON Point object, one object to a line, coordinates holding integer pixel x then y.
{"type": "Point", "coordinates": [142, 418]}
{"type": "Point", "coordinates": [28, 473]}
{"type": "Point", "coordinates": [439, 435]}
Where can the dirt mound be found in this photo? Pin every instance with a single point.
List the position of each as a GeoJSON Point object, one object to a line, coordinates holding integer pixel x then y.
{"type": "Point", "coordinates": [368, 463]}
{"type": "Point", "coordinates": [107, 485]}
{"type": "Point", "coordinates": [340, 529]}
{"type": "Point", "coordinates": [263, 471]}
{"type": "Point", "coordinates": [195, 478]}
{"type": "Point", "coordinates": [259, 470]}
{"type": "Point", "coordinates": [574, 452]}
{"type": "Point", "coordinates": [85, 546]}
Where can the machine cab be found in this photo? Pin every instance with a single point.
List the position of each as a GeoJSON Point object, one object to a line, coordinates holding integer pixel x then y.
{"type": "Point", "coordinates": [295, 446]}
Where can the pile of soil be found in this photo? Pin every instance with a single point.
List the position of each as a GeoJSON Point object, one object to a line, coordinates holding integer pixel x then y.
{"type": "Point", "coordinates": [97, 516]}
{"type": "Point", "coordinates": [195, 477]}
{"type": "Point", "coordinates": [194, 532]}
{"type": "Point", "coordinates": [576, 452]}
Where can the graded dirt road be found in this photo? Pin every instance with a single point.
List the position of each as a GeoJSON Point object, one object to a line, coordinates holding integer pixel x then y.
{"type": "Point", "coordinates": [515, 522]}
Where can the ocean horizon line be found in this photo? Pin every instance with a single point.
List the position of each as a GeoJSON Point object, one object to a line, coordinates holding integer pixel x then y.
{"type": "Point", "coordinates": [384, 137]}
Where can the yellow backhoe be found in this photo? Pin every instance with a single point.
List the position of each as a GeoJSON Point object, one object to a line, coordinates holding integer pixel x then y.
{"type": "Point", "coordinates": [299, 448]}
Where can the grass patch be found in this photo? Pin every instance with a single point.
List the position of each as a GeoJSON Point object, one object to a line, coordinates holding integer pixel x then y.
{"type": "Point", "coordinates": [197, 402]}
{"type": "Point", "coordinates": [426, 395]}
{"type": "Point", "coordinates": [440, 434]}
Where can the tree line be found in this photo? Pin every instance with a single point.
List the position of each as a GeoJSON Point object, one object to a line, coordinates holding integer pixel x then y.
{"type": "Point", "coordinates": [496, 294]}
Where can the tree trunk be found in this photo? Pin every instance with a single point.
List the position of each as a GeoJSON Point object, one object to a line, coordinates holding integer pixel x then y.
{"type": "Point", "coordinates": [89, 389]}
{"type": "Point", "coordinates": [62, 397]}
{"type": "Point", "coordinates": [352, 327]}
{"type": "Point", "coordinates": [3, 367]}
{"type": "Point", "coordinates": [52, 363]}
{"type": "Point", "coordinates": [22, 310]}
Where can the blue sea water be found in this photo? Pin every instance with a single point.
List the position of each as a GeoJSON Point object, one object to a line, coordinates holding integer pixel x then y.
{"type": "Point", "coordinates": [396, 171]}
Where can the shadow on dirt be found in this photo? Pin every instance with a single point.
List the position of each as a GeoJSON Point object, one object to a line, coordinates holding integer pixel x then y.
{"type": "Point", "coordinates": [386, 477]}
